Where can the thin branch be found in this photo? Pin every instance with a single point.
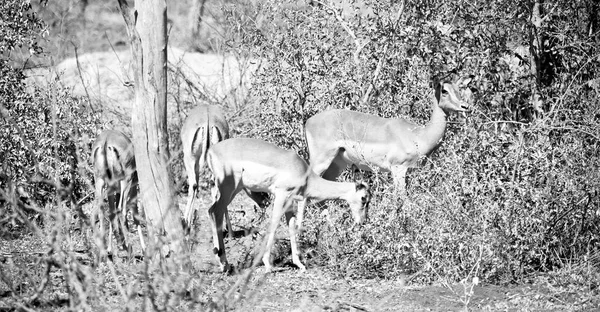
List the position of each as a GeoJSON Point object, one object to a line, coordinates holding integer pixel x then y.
{"type": "Point", "coordinates": [359, 43]}
{"type": "Point", "coordinates": [81, 78]}
{"type": "Point", "coordinates": [126, 81]}
{"type": "Point", "coordinates": [377, 72]}
{"type": "Point", "coordinates": [367, 93]}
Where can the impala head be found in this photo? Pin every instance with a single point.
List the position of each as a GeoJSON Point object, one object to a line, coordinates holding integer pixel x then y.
{"type": "Point", "coordinates": [359, 203]}
{"type": "Point", "coordinates": [448, 95]}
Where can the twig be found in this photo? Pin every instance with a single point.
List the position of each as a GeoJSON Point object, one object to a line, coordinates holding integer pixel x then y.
{"type": "Point", "coordinates": [367, 93]}
{"type": "Point", "coordinates": [81, 78]}
{"type": "Point", "coordinates": [360, 44]}
{"type": "Point", "coordinates": [377, 72]}
{"type": "Point", "coordinates": [115, 277]}
{"type": "Point", "coordinates": [126, 82]}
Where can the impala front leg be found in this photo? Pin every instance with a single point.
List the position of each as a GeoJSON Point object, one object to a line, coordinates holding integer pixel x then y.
{"type": "Point", "coordinates": [278, 207]}
{"type": "Point", "coordinates": [399, 176]}
{"type": "Point", "coordinates": [216, 213]}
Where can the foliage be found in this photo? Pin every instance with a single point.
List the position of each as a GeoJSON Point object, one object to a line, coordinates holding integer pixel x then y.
{"type": "Point", "coordinates": [43, 130]}
{"type": "Point", "coordinates": [512, 189]}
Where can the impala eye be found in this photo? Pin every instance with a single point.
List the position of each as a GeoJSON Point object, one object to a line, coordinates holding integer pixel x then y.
{"type": "Point", "coordinates": [444, 91]}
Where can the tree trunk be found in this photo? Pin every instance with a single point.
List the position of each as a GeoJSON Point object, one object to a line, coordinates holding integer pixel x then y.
{"type": "Point", "coordinates": [536, 47]}
{"type": "Point", "coordinates": [195, 20]}
{"type": "Point", "coordinates": [146, 27]}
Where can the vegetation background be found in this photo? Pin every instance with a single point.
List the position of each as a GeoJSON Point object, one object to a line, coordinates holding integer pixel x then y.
{"type": "Point", "coordinates": [509, 199]}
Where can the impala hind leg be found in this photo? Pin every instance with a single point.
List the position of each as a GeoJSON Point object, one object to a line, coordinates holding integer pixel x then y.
{"type": "Point", "coordinates": [132, 204]}
{"type": "Point", "coordinates": [124, 199]}
{"type": "Point", "coordinates": [191, 167]}
{"type": "Point", "coordinates": [279, 205]}
{"type": "Point", "coordinates": [116, 223]}
{"type": "Point", "coordinates": [292, 224]}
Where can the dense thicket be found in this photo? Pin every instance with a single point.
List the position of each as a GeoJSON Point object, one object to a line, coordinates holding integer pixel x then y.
{"type": "Point", "coordinates": [513, 188]}
{"type": "Point", "coordinates": [44, 131]}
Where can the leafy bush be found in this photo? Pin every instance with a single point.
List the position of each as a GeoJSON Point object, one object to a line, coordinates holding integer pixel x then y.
{"type": "Point", "coordinates": [45, 132]}
{"type": "Point", "coordinates": [511, 190]}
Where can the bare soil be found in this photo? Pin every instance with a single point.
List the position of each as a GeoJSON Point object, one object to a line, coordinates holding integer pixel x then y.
{"type": "Point", "coordinates": [284, 289]}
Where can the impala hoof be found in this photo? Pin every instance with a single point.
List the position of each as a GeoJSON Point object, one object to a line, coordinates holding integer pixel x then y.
{"type": "Point", "coordinates": [226, 268]}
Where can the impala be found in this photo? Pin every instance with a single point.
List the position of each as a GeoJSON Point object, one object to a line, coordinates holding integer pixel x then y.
{"type": "Point", "coordinates": [115, 176]}
{"type": "Point", "coordinates": [257, 166]}
{"type": "Point", "coordinates": [339, 138]}
{"type": "Point", "coordinates": [205, 125]}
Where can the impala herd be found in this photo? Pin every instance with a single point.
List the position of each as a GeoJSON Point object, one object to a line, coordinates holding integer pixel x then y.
{"type": "Point", "coordinates": [336, 139]}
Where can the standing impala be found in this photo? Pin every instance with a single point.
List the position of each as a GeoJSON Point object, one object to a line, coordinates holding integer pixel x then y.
{"type": "Point", "coordinates": [114, 170]}
{"type": "Point", "coordinates": [339, 138]}
{"type": "Point", "coordinates": [205, 126]}
{"type": "Point", "coordinates": [257, 166]}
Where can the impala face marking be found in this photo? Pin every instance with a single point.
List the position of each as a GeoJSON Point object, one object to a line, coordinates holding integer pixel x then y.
{"type": "Point", "coordinates": [254, 165]}
{"type": "Point", "coordinates": [338, 138]}
{"type": "Point", "coordinates": [115, 176]}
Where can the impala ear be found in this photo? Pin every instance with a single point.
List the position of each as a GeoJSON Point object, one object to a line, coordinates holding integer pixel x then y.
{"type": "Point", "coordinates": [464, 81]}
{"type": "Point", "coordinates": [360, 186]}
{"type": "Point", "coordinates": [436, 82]}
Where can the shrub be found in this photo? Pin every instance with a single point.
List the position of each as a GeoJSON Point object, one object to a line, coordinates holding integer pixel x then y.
{"type": "Point", "coordinates": [511, 190]}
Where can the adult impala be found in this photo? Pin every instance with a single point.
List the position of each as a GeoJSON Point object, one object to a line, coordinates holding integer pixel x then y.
{"type": "Point", "coordinates": [115, 176]}
{"type": "Point", "coordinates": [205, 125]}
{"type": "Point", "coordinates": [257, 166]}
{"type": "Point", "coordinates": [339, 138]}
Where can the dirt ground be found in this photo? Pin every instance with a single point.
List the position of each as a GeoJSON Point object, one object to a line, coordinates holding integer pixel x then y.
{"type": "Point", "coordinates": [288, 289]}
{"type": "Point", "coordinates": [284, 289]}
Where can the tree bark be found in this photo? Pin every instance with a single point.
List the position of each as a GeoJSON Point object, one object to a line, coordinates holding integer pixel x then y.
{"type": "Point", "coordinates": [146, 27]}
{"type": "Point", "coordinates": [195, 20]}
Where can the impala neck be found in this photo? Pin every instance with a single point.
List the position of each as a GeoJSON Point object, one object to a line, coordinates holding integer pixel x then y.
{"type": "Point", "coordinates": [430, 136]}
{"type": "Point", "coordinates": [319, 189]}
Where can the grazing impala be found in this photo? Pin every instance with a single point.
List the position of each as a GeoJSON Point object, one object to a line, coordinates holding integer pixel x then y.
{"type": "Point", "coordinates": [114, 170]}
{"type": "Point", "coordinates": [257, 166]}
{"type": "Point", "coordinates": [204, 126]}
{"type": "Point", "coordinates": [339, 138]}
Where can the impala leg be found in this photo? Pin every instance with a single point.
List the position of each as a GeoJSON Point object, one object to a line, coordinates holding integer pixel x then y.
{"type": "Point", "coordinates": [278, 207]}
{"type": "Point", "coordinates": [222, 194]}
{"type": "Point", "coordinates": [122, 213]}
{"type": "Point", "coordinates": [300, 215]}
{"type": "Point", "coordinates": [99, 236]}
{"type": "Point", "coordinates": [191, 166]}
{"type": "Point", "coordinates": [216, 213]}
{"type": "Point", "coordinates": [117, 221]}
{"type": "Point", "coordinates": [112, 229]}
{"type": "Point", "coordinates": [291, 221]}
{"type": "Point", "coordinates": [228, 223]}
{"type": "Point", "coordinates": [399, 176]}
{"type": "Point", "coordinates": [133, 203]}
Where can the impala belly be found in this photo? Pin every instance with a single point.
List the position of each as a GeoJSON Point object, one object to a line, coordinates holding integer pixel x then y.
{"type": "Point", "coordinates": [379, 154]}
{"type": "Point", "coordinates": [367, 155]}
{"type": "Point", "coordinates": [260, 178]}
